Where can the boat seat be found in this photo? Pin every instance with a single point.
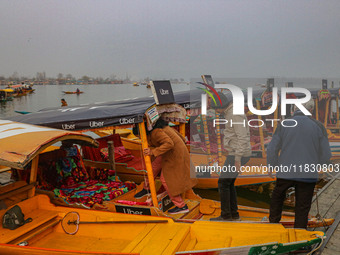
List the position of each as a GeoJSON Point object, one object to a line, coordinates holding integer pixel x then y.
{"type": "Point", "coordinates": [39, 217]}
{"type": "Point", "coordinates": [159, 239]}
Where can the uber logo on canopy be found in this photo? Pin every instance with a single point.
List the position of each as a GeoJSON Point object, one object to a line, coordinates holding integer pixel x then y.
{"type": "Point", "coordinates": [68, 126]}
{"type": "Point", "coordinates": [126, 121]}
{"type": "Point", "coordinates": [96, 123]}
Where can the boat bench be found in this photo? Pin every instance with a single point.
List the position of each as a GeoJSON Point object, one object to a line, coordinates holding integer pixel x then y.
{"type": "Point", "coordinates": [159, 239]}
{"type": "Point", "coordinates": [41, 220]}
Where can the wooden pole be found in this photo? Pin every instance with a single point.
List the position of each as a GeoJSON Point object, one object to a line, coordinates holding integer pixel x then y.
{"type": "Point", "coordinates": [111, 151]}
{"type": "Point", "coordinates": [258, 106]}
{"type": "Point", "coordinates": [206, 137]}
{"type": "Point", "coordinates": [326, 113]}
{"type": "Point", "coordinates": [219, 140]}
{"type": "Point", "coordinates": [316, 109]}
{"type": "Point", "coordinates": [148, 165]}
{"type": "Point", "coordinates": [275, 117]}
{"type": "Point", "coordinates": [337, 111]}
{"type": "Point", "coordinates": [182, 129]}
{"type": "Point", "coordinates": [33, 177]}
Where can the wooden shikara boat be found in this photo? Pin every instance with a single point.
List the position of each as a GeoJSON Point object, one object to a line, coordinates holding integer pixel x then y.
{"type": "Point", "coordinates": [60, 230]}
{"type": "Point", "coordinates": [23, 112]}
{"type": "Point", "coordinates": [28, 90]}
{"type": "Point", "coordinates": [325, 101]}
{"type": "Point", "coordinates": [156, 204]}
{"type": "Point", "coordinates": [122, 116]}
{"type": "Point", "coordinates": [132, 143]}
{"type": "Point", "coordinates": [66, 230]}
{"type": "Point", "coordinates": [20, 145]}
{"type": "Point", "coordinates": [6, 95]}
{"type": "Point", "coordinates": [327, 111]}
{"type": "Point", "coordinates": [21, 90]}
{"type": "Point", "coordinates": [73, 92]}
{"type": "Point", "coordinates": [200, 157]}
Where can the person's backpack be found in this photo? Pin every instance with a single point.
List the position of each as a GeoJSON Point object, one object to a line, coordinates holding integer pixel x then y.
{"type": "Point", "coordinates": [14, 218]}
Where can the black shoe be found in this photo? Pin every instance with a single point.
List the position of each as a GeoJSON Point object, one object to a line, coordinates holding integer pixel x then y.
{"type": "Point", "coordinates": [220, 218]}
{"type": "Point", "coordinates": [177, 210]}
{"type": "Point", "coordinates": [235, 217]}
{"type": "Point", "coordinates": [141, 193]}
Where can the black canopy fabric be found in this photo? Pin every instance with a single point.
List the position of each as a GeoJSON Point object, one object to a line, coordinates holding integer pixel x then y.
{"type": "Point", "coordinates": [115, 113]}
{"type": "Point", "coordinates": [89, 116]}
{"type": "Point", "coordinates": [99, 115]}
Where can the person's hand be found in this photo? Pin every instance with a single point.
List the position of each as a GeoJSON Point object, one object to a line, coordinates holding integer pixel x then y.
{"type": "Point", "coordinates": [238, 166]}
{"type": "Point", "coordinates": [147, 152]}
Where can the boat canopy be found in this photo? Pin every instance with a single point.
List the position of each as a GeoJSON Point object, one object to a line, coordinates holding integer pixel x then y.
{"type": "Point", "coordinates": [114, 113]}
{"type": "Point", "coordinates": [7, 90]}
{"type": "Point", "coordinates": [15, 86]}
{"type": "Point", "coordinates": [97, 115]}
{"type": "Point", "coordinates": [20, 143]}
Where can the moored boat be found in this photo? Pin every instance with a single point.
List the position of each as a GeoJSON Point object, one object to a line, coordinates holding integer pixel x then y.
{"type": "Point", "coordinates": [254, 175]}
{"type": "Point", "coordinates": [19, 90]}
{"type": "Point", "coordinates": [23, 88]}
{"type": "Point", "coordinates": [35, 143]}
{"type": "Point", "coordinates": [66, 230]}
{"type": "Point", "coordinates": [73, 92]}
{"type": "Point", "coordinates": [59, 230]}
{"type": "Point", "coordinates": [157, 203]}
{"type": "Point", "coordinates": [23, 112]}
{"type": "Point", "coordinates": [6, 95]}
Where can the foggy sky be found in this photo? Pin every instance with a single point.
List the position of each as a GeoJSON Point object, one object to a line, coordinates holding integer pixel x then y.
{"type": "Point", "coordinates": [170, 38]}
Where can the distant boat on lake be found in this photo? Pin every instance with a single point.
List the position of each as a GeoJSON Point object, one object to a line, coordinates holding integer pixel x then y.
{"type": "Point", "coordinates": [73, 92]}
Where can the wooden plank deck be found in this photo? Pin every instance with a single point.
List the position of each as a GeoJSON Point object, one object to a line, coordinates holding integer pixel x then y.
{"type": "Point", "coordinates": [327, 204]}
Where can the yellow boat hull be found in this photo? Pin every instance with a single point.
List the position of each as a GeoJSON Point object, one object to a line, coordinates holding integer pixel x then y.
{"type": "Point", "coordinates": [199, 209]}
{"type": "Point", "coordinates": [46, 235]}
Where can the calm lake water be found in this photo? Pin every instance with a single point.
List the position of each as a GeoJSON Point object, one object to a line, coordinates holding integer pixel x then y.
{"type": "Point", "coordinates": [49, 96]}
